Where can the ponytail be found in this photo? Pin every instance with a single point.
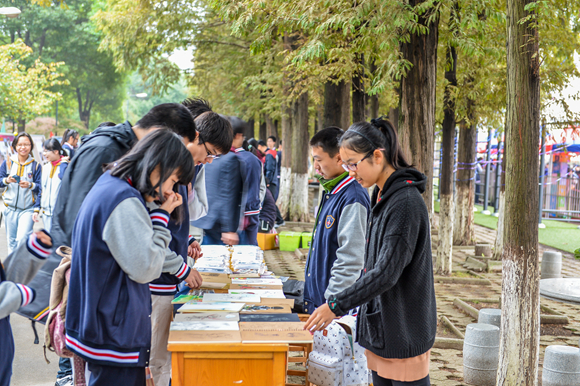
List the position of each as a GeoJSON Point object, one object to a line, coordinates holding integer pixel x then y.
{"type": "Point", "coordinates": [68, 133]}
{"type": "Point", "coordinates": [365, 138]}
{"type": "Point", "coordinates": [395, 157]}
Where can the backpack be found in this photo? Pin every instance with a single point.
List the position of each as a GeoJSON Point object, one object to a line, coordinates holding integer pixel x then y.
{"type": "Point", "coordinates": [54, 329]}
{"type": "Point", "coordinates": [336, 360]}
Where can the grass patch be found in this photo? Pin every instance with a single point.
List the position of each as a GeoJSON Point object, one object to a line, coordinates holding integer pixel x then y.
{"type": "Point", "coordinates": [557, 234]}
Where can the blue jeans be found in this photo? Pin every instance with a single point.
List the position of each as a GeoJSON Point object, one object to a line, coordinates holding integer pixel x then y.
{"type": "Point", "coordinates": [64, 368]}
{"type": "Point", "coordinates": [18, 224]}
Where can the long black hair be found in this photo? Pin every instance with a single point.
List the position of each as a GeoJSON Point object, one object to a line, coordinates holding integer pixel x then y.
{"type": "Point", "coordinates": [365, 138]}
{"type": "Point", "coordinates": [52, 144]}
{"type": "Point", "coordinates": [68, 134]}
{"type": "Point", "coordinates": [162, 150]}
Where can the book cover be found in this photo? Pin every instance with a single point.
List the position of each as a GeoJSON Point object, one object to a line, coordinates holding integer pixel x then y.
{"type": "Point", "coordinates": [231, 298]}
{"type": "Point", "coordinates": [276, 332]}
{"type": "Point", "coordinates": [269, 318]}
{"type": "Point", "coordinates": [204, 326]}
{"type": "Point", "coordinates": [211, 307]}
{"type": "Point", "coordinates": [207, 317]}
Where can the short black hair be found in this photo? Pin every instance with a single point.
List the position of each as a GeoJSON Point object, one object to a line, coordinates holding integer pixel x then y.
{"type": "Point", "coordinates": [172, 116]}
{"type": "Point", "coordinates": [20, 135]}
{"type": "Point", "coordinates": [239, 130]}
{"type": "Point", "coordinates": [160, 149]}
{"type": "Point", "coordinates": [273, 138]}
{"type": "Point", "coordinates": [212, 127]}
{"type": "Point", "coordinates": [328, 139]}
{"type": "Point", "coordinates": [53, 144]}
{"type": "Point", "coordinates": [262, 143]}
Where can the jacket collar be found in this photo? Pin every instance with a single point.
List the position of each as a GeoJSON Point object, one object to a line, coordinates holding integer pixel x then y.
{"type": "Point", "coordinates": [335, 185]}
{"type": "Point", "coordinates": [400, 179]}
{"type": "Point", "coordinates": [29, 160]}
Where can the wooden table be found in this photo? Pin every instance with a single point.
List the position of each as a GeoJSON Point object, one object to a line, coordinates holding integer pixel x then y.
{"type": "Point", "coordinates": [222, 364]}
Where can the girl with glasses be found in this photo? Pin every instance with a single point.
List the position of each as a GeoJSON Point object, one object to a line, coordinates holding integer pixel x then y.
{"type": "Point", "coordinates": [21, 176]}
{"type": "Point", "coordinates": [397, 320]}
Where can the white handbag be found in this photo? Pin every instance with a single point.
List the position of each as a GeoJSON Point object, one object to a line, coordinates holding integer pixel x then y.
{"type": "Point", "coordinates": [336, 360]}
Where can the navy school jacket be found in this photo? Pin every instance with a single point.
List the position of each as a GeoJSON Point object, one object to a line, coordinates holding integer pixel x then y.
{"type": "Point", "coordinates": [251, 172]}
{"type": "Point", "coordinates": [108, 318]}
{"type": "Point", "coordinates": [336, 255]}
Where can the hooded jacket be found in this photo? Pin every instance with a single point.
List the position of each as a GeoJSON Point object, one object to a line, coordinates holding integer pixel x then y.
{"type": "Point", "coordinates": [398, 314]}
{"type": "Point", "coordinates": [104, 145]}
{"type": "Point", "coordinates": [51, 178]}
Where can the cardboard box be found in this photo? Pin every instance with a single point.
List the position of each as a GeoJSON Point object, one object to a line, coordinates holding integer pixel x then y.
{"type": "Point", "coordinates": [267, 241]}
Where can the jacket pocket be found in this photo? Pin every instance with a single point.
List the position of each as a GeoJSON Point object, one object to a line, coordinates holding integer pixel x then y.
{"type": "Point", "coordinates": [121, 305]}
{"type": "Point", "coordinates": [374, 327]}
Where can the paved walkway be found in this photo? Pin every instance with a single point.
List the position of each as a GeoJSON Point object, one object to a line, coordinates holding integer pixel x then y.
{"type": "Point", "coordinates": [446, 367]}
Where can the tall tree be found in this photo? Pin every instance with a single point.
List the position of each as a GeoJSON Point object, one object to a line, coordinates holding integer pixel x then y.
{"type": "Point", "coordinates": [444, 260]}
{"type": "Point", "coordinates": [358, 93]}
{"type": "Point", "coordinates": [520, 321]}
{"type": "Point", "coordinates": [299, 178]}
{"type": "Point", "coordinates": [418, 87]}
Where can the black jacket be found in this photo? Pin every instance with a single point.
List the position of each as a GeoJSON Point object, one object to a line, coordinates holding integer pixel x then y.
{"type": "Point", "coordinates": [398, 317]}
{"type": "Point", "coordinates": [104, 145]}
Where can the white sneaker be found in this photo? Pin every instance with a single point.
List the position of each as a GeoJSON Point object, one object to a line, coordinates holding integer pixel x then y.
{"type": "Point", "coordinates": [65, 381]}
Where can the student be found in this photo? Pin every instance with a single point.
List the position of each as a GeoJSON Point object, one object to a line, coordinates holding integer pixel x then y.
{"type": "Point", "coordinates": [207, 144]}
{"type": "Point", "coordinates": [335, 258]}
{"type": "Point", "coordinates": [52, 173]}
{"type": "Point", "coordinates": [69, 142]}
{"type": "Point", "coordinates": [118, 247]}
{"type": "Point", "coordinates": [251, 173]}
{"type": "Point", "coordinates": [21, 176]}
{"type": "Point", "coordinates": [269, 168]}
{"type": "Point", "coordinates": [104, 145]}
{"type": "Point", "coordinates": [397, 321]}
{"type": "Point", "coordinates": [21, 265]}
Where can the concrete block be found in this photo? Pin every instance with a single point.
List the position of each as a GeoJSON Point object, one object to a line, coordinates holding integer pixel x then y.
{"type": "Point", "coordinates": [551, 265]}
{"type": "Point", "coordinates": [561, 366]}
{"type": "Point", "coordinates": [480, 354]}
{"type": "Point", "coordinates": [490, 316]}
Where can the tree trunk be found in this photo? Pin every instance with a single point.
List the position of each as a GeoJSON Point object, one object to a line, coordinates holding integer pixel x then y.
{"type": "Point", "coordinates": [358, 93]}
{"type": "Point", "coordinates": [498, 246]}
{"type": "Point", "coordinates": [464, 233]}
{"type": "Point", "coordinates": [345, 119]}
{"type": "Point", "coordinates": [333, 102]}
{"type": "Point", "coordinates": [287, 113]}
{"type": "Point", "coordinates": [520, 312]}
{"type": "Point", "coordinates": [417, 98]}
{"type": "Point", "coordinates": [444, 262]}
{"type": "Point", "coordinates": [250, 129]}
{"type": "Point", "coordinates": [271, 128]}
{"type": "Point", "coordinates": [263, 127]}
{"type": "Point", "coordinates": [298, 210]}
{"type": "Point", "coordinates": [22, 125]}
{"type": "Point", "coordinates": [374, 99]}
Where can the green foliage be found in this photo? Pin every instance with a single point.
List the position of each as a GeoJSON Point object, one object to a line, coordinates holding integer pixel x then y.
{"type": "Point", "coordinates": [63, 32]}
{"type": "Point", "coordinates": [25, 90]}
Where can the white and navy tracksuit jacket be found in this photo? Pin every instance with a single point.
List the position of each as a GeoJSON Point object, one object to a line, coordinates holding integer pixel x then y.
{"type": "Point", "coordinates": [118, 247]}
{"type": "Point", "coordinates": [51, 178]}
{"type": "Point", "coordinates": [21, 266]}
{"type": "Point", "coordinates": [14, 196]}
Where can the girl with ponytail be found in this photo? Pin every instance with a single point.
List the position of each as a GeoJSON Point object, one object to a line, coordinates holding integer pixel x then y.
{"type": "Point", "coordinates": [70, 140]}
{"type": "Point", "coordinates": [52, 173]}
{"type": "Point", "coordinates": [397, 320]}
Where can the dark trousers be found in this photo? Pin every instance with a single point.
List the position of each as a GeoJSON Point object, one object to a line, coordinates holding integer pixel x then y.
{"type": "Point", "coordinates": [378, 381]}
{"type": "Point", "coordinates": [274, 190]}
{"type": "Point", "coordinates": [6, 351]}
{"type": "Point", "coordinates": [249, 236]}
{"type": "Point", "coordinates": [113, 375]}
{"type": "Point", "coordinates": [212, 236]}
{"type": "Point", "coordinates": [64, 368]}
